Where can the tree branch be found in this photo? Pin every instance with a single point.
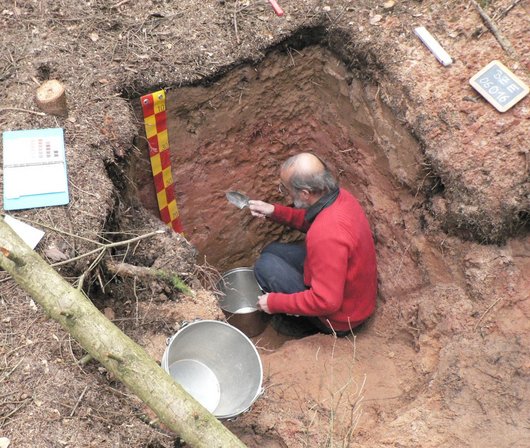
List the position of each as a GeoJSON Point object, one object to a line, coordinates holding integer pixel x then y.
{"type": "Point", "coordinates": [108, 246]}
{"type": "Point", "coordinates": [129, 270]}
{"type": "Point", "coordinates": [120, 355]}
{"type": "Point", "coordinates": [504, 43]}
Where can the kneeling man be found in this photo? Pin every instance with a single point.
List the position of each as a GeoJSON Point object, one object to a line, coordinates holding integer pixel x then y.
{"type": "Point", "coordinates": [328, 283]}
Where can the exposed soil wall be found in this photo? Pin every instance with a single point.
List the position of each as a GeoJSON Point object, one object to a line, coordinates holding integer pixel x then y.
{"type": "Point", "coordinates": [234, 134]}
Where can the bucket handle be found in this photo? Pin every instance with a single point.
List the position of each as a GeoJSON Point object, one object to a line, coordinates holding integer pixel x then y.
{"type": "Point", "coordinates": [261, 393]}
{"type": "Point", "coordinates": [182, 325]}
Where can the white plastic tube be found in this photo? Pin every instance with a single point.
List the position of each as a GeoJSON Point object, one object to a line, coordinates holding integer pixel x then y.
{"type": "Point", "coordinates": [432, 44]}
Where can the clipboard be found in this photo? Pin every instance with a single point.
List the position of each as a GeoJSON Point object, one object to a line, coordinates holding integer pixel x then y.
{"type": "Point", "coordinates": [34, 165]}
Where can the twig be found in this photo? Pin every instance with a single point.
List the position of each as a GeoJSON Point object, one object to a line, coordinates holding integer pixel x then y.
{"type": "Point", "coordinates": [18, 109]}
{"type": "Point", "coordinates": [8, 374]}
{"type": "Point", "coordinates": [505, 12]}
{"type": "Point", "coordinates": [99, 275]}
{"type": "Point", "coordinates": [23, 403]}
{"type": "Point", "coordinates": [504, 43]}
{"type": "Point", "coordinates": [86, 359]}
{"type": "Point", "coordinates": [235, 22]}
{"type": "Point", "coordinates": [336, 19]}
{"type": "Point", "coordinates": [78, 401]}
{"type": "Point", "coordinates": [96, 261]}
{"type": "Point", "coordinates": [486, 312]}
{"type": "Point", "coordinates": [500, 15]}
{"type": "Point", "coordinates": [19, 262]}
{"type": "Point", "coordinates": [117, 5]}
{"type": "Point", "coordinates": [129, 270]}
{"type": "Point", "coordinates": [108, 246]}
{"type": "Point", "coordinates": [137, 312]}
{"type": "Point", "coordinates": [6, 355]}
{"type": "Point", "coordinates": [88, 193]}
{"type": "Point", "coordinates": [80, 281]}
{"type": "Point", "coordinates": [55, 229]}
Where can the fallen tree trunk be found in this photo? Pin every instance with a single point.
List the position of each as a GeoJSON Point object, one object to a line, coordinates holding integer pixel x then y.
{"type": "Point", "coordinates": [110, 346]}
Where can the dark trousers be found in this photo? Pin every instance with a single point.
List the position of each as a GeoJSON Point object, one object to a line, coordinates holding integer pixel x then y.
{"type": "Point", "coordinates": [280, 268]}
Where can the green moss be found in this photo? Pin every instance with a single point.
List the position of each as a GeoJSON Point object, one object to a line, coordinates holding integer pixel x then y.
{"type": "Point", "coordinates": [176, 282]}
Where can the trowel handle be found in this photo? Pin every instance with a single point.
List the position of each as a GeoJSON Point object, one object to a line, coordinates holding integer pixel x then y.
{"type": "Point", "coordinates": [277, 9]}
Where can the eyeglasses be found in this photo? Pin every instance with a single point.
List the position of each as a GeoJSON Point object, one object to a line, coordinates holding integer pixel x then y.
{"type": "Point", "coordinates": [282, 189]}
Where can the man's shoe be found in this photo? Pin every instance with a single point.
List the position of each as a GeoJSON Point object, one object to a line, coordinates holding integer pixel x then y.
{"type": "Point", "coordinates": [296, 327]}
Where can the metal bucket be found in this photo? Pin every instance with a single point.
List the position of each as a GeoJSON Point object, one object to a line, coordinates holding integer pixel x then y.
{"type": "Point", "coordinates": [217, 365]}
{"type": "Point", "coordinates": [238, 298]}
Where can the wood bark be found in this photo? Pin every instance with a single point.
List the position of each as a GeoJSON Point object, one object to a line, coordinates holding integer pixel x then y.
{"type": "Point", "coordinates": [129, 270]}
{"type": "Point", "coordinates": [109, 345]}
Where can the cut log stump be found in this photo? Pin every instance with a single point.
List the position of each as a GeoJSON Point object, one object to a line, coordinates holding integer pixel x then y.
{"type": "Point", "coordinates": [51, 98]}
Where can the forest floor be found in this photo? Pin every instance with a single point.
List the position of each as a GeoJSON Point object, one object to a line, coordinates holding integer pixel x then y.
{"type": "Point", "coordinates": [443, 178]}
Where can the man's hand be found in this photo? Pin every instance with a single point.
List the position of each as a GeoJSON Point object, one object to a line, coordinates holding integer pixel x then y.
{"type": "Point", "coordinates": [260, 209]}
{"type": "Point", "coordinates": [262, 303]}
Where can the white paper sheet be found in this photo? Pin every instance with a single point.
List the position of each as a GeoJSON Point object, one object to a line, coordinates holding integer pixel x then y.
{"type": "Point", "coordinates": [29, 234]}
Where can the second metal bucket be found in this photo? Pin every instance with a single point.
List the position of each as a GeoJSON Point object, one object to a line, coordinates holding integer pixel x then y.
{"type": "Point", "coordinates": [217, 365]}
{"type": "Point", "coordinates": [238, 298]}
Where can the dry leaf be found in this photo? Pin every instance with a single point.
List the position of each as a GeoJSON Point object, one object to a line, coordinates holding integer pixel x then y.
{"type": "Point", "coordinates": [109, 313]}
{"type": "Point", "coordinates": [389, 4]}
{"type": "Point", "coordinates": [54, 254]}
{"type": "Point", "coordinates": [375, 19]}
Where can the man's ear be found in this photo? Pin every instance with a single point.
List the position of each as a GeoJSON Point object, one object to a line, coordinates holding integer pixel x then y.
{"type": "Point", "coordinates": [305, 194]}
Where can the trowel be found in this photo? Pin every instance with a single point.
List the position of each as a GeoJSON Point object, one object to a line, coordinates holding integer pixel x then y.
{"type": "Point", "coordinates": [237, 198]}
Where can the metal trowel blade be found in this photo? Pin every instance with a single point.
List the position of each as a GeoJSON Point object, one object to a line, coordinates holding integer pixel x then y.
{"type": "Point", "coordinates": [240, 200]}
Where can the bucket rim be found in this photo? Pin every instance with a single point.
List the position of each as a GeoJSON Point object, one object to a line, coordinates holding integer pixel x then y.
{"type": "Point", "coordinates": [240, 269]}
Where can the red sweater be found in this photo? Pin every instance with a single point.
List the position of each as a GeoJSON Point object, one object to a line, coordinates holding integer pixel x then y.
{"type": "Point", "coordinates": [340, 266]}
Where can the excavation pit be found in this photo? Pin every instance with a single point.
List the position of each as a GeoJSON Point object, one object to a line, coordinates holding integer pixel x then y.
{"type": "Point", "coordinates": [444, 359]}
{"type": "Point", "coordinates": [233, 134]}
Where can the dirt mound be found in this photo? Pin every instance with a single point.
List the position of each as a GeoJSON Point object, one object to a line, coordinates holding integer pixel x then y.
{"type": "Point", "coordinates": [442, 176]}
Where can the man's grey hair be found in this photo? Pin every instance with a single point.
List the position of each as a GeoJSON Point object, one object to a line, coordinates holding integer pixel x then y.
{"type": "Point", "coordinates": [321, 182]}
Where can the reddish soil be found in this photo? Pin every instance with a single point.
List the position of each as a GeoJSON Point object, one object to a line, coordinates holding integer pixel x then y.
{"type": "Point", "coordinates": [442, 175]}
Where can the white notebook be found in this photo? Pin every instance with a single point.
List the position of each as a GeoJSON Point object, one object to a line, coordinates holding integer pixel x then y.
{"type": "Point", "coordinates": [34, 169]}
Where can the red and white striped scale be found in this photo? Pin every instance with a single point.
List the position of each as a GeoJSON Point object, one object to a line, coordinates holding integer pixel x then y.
{"type": "Point", "coordinates": [155, 121]}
